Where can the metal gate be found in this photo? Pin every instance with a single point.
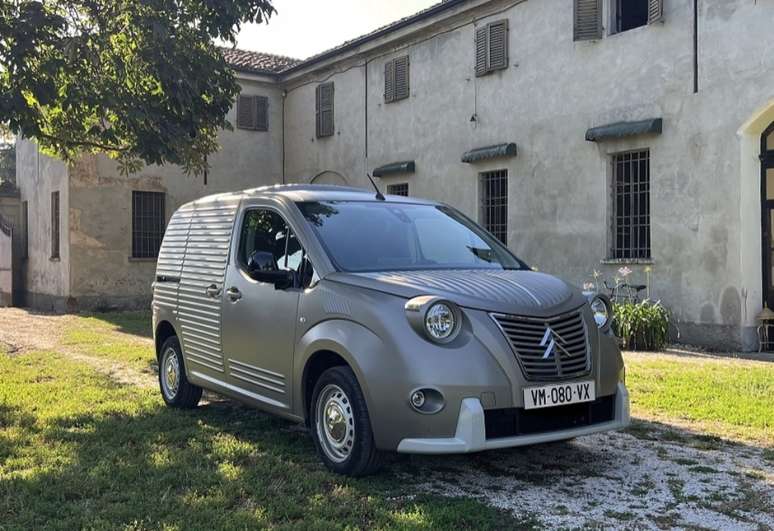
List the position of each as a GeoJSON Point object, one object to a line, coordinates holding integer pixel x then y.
{"type": "Point", "coordinates": [6, 263]}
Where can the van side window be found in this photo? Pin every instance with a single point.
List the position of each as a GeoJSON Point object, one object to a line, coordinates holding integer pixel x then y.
{"type": "Point", "coordinates": [266, 231]}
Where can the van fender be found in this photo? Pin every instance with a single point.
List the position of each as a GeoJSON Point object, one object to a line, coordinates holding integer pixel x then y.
{"type": "Point", "coordinates": [357, 345]}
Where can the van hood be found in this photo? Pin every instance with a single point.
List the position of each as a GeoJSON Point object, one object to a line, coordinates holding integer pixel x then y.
{"type": "Point", "coordinates": [520, 292]}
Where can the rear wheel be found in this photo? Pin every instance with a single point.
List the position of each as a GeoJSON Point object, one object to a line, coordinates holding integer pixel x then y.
{"type": "Point", "coordinates": [341, 427]}
{"type": "Point", "coordinates": [176, 390]}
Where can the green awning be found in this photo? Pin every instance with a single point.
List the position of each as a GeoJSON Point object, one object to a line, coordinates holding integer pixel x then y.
{"type": "Point", "coordinates": [651, 126]}
{"type": "Point", "coordinates": [490, 152]}
{"type": "Point", "coordinates": [407, 166]}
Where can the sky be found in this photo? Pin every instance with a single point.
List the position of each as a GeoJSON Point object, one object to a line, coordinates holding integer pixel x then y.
{"type": "Point", "coordinates": [302, 28]}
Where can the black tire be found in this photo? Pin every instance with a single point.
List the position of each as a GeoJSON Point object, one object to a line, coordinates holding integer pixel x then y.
{"type": "Point", "coordinates": [185, 395]}
{"type": "Point", "coordinates": [363, 458]}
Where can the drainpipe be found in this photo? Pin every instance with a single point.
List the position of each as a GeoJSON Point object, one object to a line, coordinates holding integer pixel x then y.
{"type": "Point", "coordinates": [695, 46]}
{"type": "Point", "coordinates": [365, 140]}
{"type": "Point", "coordinates": [284, 97]}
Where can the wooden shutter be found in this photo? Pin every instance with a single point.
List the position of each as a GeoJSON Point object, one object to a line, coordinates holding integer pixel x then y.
{"type": "Point", "coordinates": [401, 77]}
{"type": "Point", "coordinates": [247, 112]}
{"type": "Point", "coordinates": [324, 97]}
{"type": "Point", "coordinates": [655, 11]}
{"type": "Point", "coordinates": [588, 20]}
{"type": "Point", "coordinates": [262, 113]}
{"type": "Point", "coordinates": [389, 81]}
{"type": "Point", "coordinates": [498, 45]}
{"type": "Point", "coordinates": [481, 48]}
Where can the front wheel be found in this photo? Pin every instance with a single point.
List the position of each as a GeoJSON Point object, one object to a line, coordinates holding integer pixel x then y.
{"type": "Point", "coordinates": [176, 390]}
{"type": "Point", "coordinates": [341, 427]}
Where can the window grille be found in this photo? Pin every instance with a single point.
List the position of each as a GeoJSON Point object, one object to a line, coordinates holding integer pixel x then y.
{"type": "Point", "coordinates": [494, 203]}
{"type": "Point", "coordinates": [631, 205]}
{"type": "Point", "coordinates": [398, 189]}
{"type": "Point", "coordinates": [148, 223]}
{"type": "Point", "coordinates": [55, 225]}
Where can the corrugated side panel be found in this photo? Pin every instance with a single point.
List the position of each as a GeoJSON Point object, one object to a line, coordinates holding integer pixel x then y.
{"type": "Point", "coordinates": [206, 256]}
{"type": "Point", "coordinates": [170, 261]}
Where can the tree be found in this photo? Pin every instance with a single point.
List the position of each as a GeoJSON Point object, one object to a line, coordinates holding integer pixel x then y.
{"type": "Point", "coordinates": [140, 80]}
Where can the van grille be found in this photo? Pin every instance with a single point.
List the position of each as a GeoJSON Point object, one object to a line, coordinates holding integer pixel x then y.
{"type": "Point", "coordinates": [531, 338]}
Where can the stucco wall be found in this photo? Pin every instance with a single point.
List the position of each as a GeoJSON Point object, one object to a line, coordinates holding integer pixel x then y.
{"type": "Point", "coordinates": [104, 274]}
{"type": "Point", "coordinates": [46, 280]}
{"type": "Point", "coordinates": [552, 92]}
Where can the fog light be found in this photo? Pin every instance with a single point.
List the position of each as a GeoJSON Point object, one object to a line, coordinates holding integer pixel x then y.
{"type": "Point", "coordinates": [418, 399]}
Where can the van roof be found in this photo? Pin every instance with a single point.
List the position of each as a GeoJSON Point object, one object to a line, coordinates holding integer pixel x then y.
{"type": "Point", "coordinates": [308, 192]}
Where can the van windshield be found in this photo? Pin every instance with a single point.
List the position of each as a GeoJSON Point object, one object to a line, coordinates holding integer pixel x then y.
{"type": "Point", "coordinates": [362, 236]}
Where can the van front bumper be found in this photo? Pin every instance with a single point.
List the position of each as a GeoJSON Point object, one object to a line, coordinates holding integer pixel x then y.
{"type": "Point", "coordinates": [470, 435]}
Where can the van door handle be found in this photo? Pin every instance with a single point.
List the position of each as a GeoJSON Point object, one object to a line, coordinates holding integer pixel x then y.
{"type": "Point", "coordinates": [212, 291]}
{"type": "Point", "coordinates": [234, 294]}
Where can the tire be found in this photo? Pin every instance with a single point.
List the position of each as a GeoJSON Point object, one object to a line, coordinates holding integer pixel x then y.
{"type": "Point", "coordinates": [176, 390]}
{"type": "Point", "coordinates": [345, 443]}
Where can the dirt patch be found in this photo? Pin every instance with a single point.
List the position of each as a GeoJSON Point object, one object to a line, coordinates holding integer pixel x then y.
{"type": "Point", "coordinates": [24, 330]}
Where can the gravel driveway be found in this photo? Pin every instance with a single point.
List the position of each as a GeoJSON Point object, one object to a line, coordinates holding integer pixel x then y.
{"type": "Point", "coordinates": [651, 476]}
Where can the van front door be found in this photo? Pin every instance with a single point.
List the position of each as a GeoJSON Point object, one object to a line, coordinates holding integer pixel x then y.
{"type": "Point", "coordinates": [259, 320]}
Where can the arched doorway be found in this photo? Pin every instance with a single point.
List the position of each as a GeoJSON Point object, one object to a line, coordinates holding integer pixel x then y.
{"type": "Point", "coordinates": [767, 213]}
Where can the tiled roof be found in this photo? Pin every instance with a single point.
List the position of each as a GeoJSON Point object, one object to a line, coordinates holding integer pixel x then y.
{"type": "Point", "coordinates": [264, 63]}
{"type": "Point", "coordinates": [257, 62]}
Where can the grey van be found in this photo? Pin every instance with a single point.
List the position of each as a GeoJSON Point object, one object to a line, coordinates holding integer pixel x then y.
{"type": "Point", "coordinates": [386, 324]}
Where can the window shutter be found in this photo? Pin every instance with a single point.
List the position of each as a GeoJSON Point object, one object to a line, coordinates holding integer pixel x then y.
{"type": "Point", "coordinates": [481, 49]}
{"type": "Point", "coordinates": [588, 20]}
{"type": "Point", "coordinates": [262, 113]}
{"type": "Point", "coordinates": [401, 78]}
{"type": "Point", "coordinates": [247, 112]}
{"type": "Point", "coordinates": [498, 45]}
{"type": "Point", "coordinates": [389, 81]}
{"type": "Point", "coordinates": [655, 11]}
{"type": "Point", "coordinates": [325, 125]}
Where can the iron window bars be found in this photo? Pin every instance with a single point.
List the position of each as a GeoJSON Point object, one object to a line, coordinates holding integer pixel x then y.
{"type": "Point", "coordinates": [631, 205]}
{"type": "Point", "coordinates": [493, 187]}
{"type": "Point", "coordinates": [398, 189]}
{"type": "Point", "coordinates": [148, 223]}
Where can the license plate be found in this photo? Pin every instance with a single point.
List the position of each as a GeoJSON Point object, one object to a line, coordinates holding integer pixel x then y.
{"type": "Point", "coordinates": [559, 394]}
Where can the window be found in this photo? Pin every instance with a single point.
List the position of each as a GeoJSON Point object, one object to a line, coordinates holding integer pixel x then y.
{"type": "Point", "coordinates": [266, 231]}
{"type": "Point", "coordinates": [631, 205]}
{"type": "Point", "coordinates": [148, 223]}
{"type": "Point", "coordinates": [494, 203]}
{"type": "Point", "coordinates": [398, 189]}
{"type": "Point", "coordinates": [324, 110]}
{"type": "Point", "coordinates": [54, 225]}
{"type": "Point", "coordinates": [253, 113]}
{"type": "Point", "coordinates": [492, 47]}
{"type": "Point", "coordinates": [397, 236]}
{"type": "Point", "coordinates": [25, 230]}
{"type": "Point", "coordinates": [396, 79]}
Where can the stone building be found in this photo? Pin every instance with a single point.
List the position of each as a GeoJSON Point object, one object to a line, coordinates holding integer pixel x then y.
{"type": "Point", "coordinates": [586, 134]}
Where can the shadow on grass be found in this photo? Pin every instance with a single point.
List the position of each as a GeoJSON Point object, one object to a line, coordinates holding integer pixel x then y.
{"type": "Point", "coordinates": [137, 323]}
{"type": "Point", "coordinates": [219, 466]}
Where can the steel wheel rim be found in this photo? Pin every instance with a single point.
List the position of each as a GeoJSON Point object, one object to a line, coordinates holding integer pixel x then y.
{"type": "Point", "coordinates": [335, 423]}
{"type": "Point", "coordinates": [170, 373]}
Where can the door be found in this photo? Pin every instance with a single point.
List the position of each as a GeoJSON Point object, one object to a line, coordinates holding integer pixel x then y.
{"type": "Point", "coordinates": [259, 320]}
{"type": "Point", "coordinates": [767, 211]}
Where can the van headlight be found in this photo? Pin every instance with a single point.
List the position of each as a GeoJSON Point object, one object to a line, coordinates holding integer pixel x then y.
{"type": "Point", "coordinates": [434, 318]}
{"type": "Point", "coordinates": [440, 321]}
{"type": "Point", "coordinates": [602, 310]}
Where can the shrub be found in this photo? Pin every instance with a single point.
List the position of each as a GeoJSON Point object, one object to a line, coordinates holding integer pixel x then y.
{"type": "Point", "coordinates": [642, 326]}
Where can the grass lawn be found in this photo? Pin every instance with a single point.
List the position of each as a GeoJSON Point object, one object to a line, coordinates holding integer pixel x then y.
{"type": "Point", "coordinates": [80, 451]}
{"type": "Point", "coordinates": [729, 398]}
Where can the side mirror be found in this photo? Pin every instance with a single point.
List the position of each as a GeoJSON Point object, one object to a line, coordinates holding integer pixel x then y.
{"type": "Point", "coordinates": [262, 266]}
